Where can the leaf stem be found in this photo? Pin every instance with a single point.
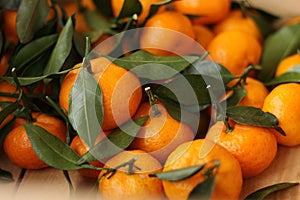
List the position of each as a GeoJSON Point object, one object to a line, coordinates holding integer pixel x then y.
{"type": "Point", "coordinates": [152, 101]}
{"type": "Point", "coordinates": [23, 96]}
{"type": "Point", "coordinates": [129, 171]}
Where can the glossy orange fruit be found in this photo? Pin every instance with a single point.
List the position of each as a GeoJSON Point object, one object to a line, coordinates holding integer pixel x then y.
{"type": "Point", "coordinates": [168, 33]}
{"type": "Point", "coordinates": [17, 145]}
{"type": "Point", "coordinates": [198, 152]}
{"type": "Point", "coordinates": [287, 63]}
{"type": "Point", "coordinates": [235, 50]}
{"type": "Point", "coordinates": [161, 134]}
{"type": "Point", "coordinates": [283, 102]}
{"type": "Point", "coordinates": [138, 185]}
{"type": "Point", "coordinates": [237, 21]}
{"type": "Point", "coordinates": [254, 147]}
{"type": "Point", "coordinates": [121, 91]}
{"type": "Point", "coordinates": [256, 92]}
{"type": "Point", "coordinates": [203, 35]}
{"type": "Point", "coordinates": [209, 11]}
{"type": "Point", "coordinates": [9, 25]}
{"type": "Point", "coordinates": [79, 146]}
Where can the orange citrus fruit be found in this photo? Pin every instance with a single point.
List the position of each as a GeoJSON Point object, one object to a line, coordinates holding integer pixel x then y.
{"type": "Point", "coordinates": [146, 4]}
{"type": "Point", "coordinates": [228, 182]}
{"type": "Point", "coordinates": [235, 50]}
{"type": "Point", "coordinates": [138, 185]}
{"type": "Point", "coordinates": [209, 11]}
{"type": "Point", "coordinates": [4, 64]}
{"type": "Point", "coordinates": [121, 91]}
{"type": "Point", "coordinates": [203, 35]}
{"type": "Point", "coordinates": [256, 93]}
{"type": "Point", "coordinates": [17, 145]}
{"type": "Point", "coordinates": [72, 7]}
{"type": "Point", "coordinates": [9, 25]}
{"type": "Point", "coordinates": [254, 147]}
{"type": "Point", "coordinates": [237, 21]}
{"type": "Point", "coordinates": [160, 134]}
{"type": "Point", "coordinates": [287, 63]}
{"type": "Point", "coordinates": [293, 20]}
{"type": "Point", "coordinates": [167, 32]}
{"type": "Point", "coordinates": [8, 88]}
{"type": "Point", "coordinates": [283, 102]}
{"type": "Point", "coordinates": [79, 146]}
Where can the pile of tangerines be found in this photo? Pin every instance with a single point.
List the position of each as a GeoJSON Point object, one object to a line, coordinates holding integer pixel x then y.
{"type": "Point", "coordinates": [165, 158]}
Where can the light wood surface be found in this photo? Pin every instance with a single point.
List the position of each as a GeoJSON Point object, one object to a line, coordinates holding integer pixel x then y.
{"type": "Point", "coordinates": [51, 184]}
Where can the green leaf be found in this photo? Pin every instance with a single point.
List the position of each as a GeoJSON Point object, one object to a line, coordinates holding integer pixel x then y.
{"type": "Point", "coordinates": [5, 176]}
{"type": "Point", "coordinates": [147, 65]}
{"type": "Point", "coordinates": [179, 174]}
{"type": "Point", "coordinates": [6, 129]}
{"type": "Point", "coordinates": [8, 110]}
{"type": "Point", "coordinates": [264, 192]}
{"type": "Point", "coordinates": [252, 116]}
{"type": "Point", "coordinates": [183, 114]}
{"type": "Point", "coordinates": [33, 50]}
{"type": "Point", "coordinates": [96, 21]}
{"type": "Point", "coordinates": [210, 69]}
{"type": "Point", "coordinates": [292, 75]}
{"type": "Point", "coordinates": [30, 80]}
{"type": "Point", "coordinates": [62, 49]}
{"type": "Point", "coordinates": [191, 89]}
{"type": "Point", "coordinates": [277, 46]}
{"type": "Point", "coordinates": [155, 6]}
{"type": "Point", "coordinates": [30, 18]}
{"type": "Point", "coordinates": [86, 107]}
{"type": "Point", "coordinates": [237, 95]}
{"type": "Point", "coordinates": [263, 25]}
{"type": "Point", "coordinates": [204, 189]}
{"type": "Point", "coordinates": [115, 142]}
{"type": "Point", "coordinates": [104, 7]}
{"type": "Point", "coordinates": [129, 8]}
{"type": "Point", "coordinates": [52, 150]}
{"type": "Point", "coordinates": [10, 4]}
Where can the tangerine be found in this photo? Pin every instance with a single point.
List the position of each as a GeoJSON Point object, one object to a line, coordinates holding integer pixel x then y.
{"type": "Point", "coordinates": [198, 152]}
{"type": "Point", "coordinates": [121, 91]}
{"type": "Point", "coordinates": [254, 147]}
{"type": "Point", "coordinates": [283, 102]}
{"type": "Point", "coordinates": [17, 145]}
{"type": "Point", "coordinates": [160, 134]}
{"type": "Point", "coordinates": [123, 185]}
{"type": "Point", "coordinates": [208, 11]}
{"type": "Point", "coordinates": [168, 33]}
{"type": "Point", "coordinates": [235, 50]}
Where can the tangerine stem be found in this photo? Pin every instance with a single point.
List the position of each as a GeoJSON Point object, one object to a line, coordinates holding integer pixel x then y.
{"type": "Point", "coordinates": [152, 101]}
{"type": "Point", "coordinates": [23, 96]}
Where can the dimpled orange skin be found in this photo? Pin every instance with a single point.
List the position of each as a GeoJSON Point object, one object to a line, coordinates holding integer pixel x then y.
{"type": "Point", "coordinates": [236, 21]}
{"type": "Point", "coordinates": [146, 4]}
{"type": "Point", "coordinates": [256, 92]}
{"type": "Point", "coordinates": [203, 35]}
{"type": "Point", "coordinates": [287, 63]}
{"type": "Point", "coordinates": [228, 182]}
{"type": "Point", "coordinates": [161, 134]}
{"type": "Point", "coordinates": [235, 50]}
{"type": "Point", "coordinates": [123, 186]}
{"type": "Point", "coordinates": [169, 33]}
{"type": "Point", "coordinates": [81, 148]}
{"type": "Point", "coordinates": [209, 11]}
{"type": "Point", "coordinates": [283, 102]}
{"type": "Point", "coordinates": [254, 147]}
{"type": "Point", "coordinates": [17, 145]}
{"type": "Point", "coordinates": [121, 91]}
{"type": "Point", "coordinates": [9, 25]}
